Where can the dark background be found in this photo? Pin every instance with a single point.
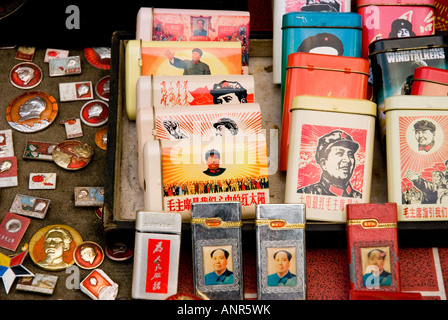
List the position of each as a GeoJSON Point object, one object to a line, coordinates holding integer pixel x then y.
{"type": "Point", "coordinates": [42, 22]}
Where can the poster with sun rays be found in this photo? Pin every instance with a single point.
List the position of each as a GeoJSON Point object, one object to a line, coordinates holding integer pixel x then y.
{"type": "Point", "coordinates": [215, 170]}
{"type": "Point", "coordinates": [208, 121]}
{"type": "Point", "coordinates": [174, 91]}
{"type": "Point", "coordinates": [420, 185]}
{"type": "Point", "coordinates": [219, 57]}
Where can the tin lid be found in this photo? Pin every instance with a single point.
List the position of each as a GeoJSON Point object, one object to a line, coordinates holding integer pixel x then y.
{"type": "Point", "coordinates": [315, 61]}
{"type": "Point", "coordinates": [226, 211]}
{"type": "Point", "coordinates": [408, 43]}
{"type": "Point", "coordinates": [290, 213]}
{"type": "Point", "coordinates": [416, 102]}
{"type": "Point", "coordinates": [322, 20]}
{"type": "Point", "coordinates": [158, 222]}
{"type": "Point", "coordinates": [362, 3]}
{"type": "Point", "coordinates": [341, 105]}
{"type": "Point", "coordinates": [431, 74]}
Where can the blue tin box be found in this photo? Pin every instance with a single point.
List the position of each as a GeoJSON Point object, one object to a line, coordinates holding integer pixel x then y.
{"type": "Point", "coordinates": [333, 33]}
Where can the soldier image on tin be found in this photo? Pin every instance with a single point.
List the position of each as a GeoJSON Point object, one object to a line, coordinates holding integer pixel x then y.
{"type": "Point", "coordinates": [401, 28]}
{"type": "Point", "coordinates": [425, 135]}
{"type": "Point", "coordinates": [191, 67]}
{"type": "Point", "coordinates": [228, 92]}
{"type": "Point", "coordinates": [323, 43]}
{"type": "Point", "coordinates": [213, 157]}
{"type": "Point", "coordinates": [225, 123]}
{"type": "Point", "coordinates": [335, 154]}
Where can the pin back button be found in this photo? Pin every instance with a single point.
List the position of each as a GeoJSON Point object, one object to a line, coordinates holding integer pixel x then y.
{"type": "Point", "coordinates": [25, 75]}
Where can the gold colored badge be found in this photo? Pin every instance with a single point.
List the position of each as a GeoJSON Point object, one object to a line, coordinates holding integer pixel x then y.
{"type": "Point", "coordinates": [52, 247]}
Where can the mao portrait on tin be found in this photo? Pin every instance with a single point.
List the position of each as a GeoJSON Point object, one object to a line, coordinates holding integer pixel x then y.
{"type": "Point", "coordinates": [218, 265]}
{"type": "Point", "coordinates": [281, 267]}
{"type": "Point", "coordinates": [335, 156]}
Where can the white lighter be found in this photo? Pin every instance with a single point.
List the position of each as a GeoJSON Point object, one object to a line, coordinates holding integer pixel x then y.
{"type": "Point", "coordinates": [156, 256]}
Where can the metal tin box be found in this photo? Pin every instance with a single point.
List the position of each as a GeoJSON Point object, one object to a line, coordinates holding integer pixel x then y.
{"type": "Point", "coordinates": [417, 153]}
{"type": "Point", "coordinates": [218, 169]}
{"type": "Point", "coordinates": [384, 19]}
{"type": "Point", "coordinates": [320, 75]}
{"type": "Point", "coordinates": [332, 33]}
{"type": "Point", "coordinates": [428, 81]}
{"type": "Point", "coordinates": [394, 61]}
{"type": "Point", "coordinates": [330, 155]}
{"type": "Point", "coordinates": [281, 7]}
{"type": "Point", "coordinates": [281, 251]}
{"type": "Point", "coordinates": [217, 252]}
{"type": "Point", "coordinates": [156, 258]}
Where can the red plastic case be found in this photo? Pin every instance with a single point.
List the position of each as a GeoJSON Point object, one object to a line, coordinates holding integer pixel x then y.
{"type": "Point", "coordinates": [320, 75]}
{"type": "Point", "coordinates": [373, 247]}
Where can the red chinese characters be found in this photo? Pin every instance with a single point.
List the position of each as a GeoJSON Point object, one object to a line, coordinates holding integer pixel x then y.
{"type": "Point", "coordinates": [158, 266]}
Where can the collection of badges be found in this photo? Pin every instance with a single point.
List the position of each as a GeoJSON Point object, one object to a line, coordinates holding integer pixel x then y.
{"type": "Point", "coordinates": [58, 246]}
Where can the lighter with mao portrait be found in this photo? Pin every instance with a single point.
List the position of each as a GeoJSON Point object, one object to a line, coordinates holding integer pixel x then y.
{"type": "Point", "coordinates": [281, 252]}
{"type": "Point", "coordinates": [156, 258]}
{"type": "Point", "coordinates": [217, 251]}
{"type": "Point", "coordinates": [372, 244]}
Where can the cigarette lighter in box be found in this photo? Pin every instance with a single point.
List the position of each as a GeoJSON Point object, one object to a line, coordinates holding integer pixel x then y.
{"type": "Point", "coordinates": [208, 169]}
{"type": "Point", "coordinates": [320, 75]}
{"type": "Point", "coordinates": [195, 122]}
{"type": "Point", "coordinates": [157, 24]}
{"type": "Point", "coordinates": [385, 19]}
{"type": "Point", "coordinates": [393, 63]}
{"type": "Point", "coordinates": [331, 33]}
{"type": "Point", "coordinates": [428, 81]}
{"type": "Point", "coordinates": [156, 257]}
{"type": "Point", "coordinates": [281, 7]}
{"type": "Point", "coordinates": [144, 58]}
{"type": "Point", "coordinates": [280, 233]}
{"type": "Point", "coordinates": [417, 153]}
{"type": "Point", "coordinates": [217, 250]}
{"type": "Point", "coordinates": [373, 247]}
{"type": "Point", "coordinates": [330, 155]}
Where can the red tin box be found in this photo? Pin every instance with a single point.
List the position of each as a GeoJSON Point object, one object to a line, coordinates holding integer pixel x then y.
{"type": "Point", "coordinates": [373, 247]}
{"type": "Point", "coordinates": [384, 19]}
{"type": "Point", "coordinates": [430, 81]}
{"type": "Point", "coordinates": [320, 75]}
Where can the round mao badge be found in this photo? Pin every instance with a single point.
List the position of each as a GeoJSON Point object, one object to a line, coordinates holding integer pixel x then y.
{"type": "Point", "coordinates": [26, 75]}
{"type": "Point", "coordinates": [52, 247]}
{"type": "Point", "coordinates": [32, 111]}
{"type": "Point", "coordinates": [102, 88]}
{"type": "Point", "coordinates": [95, 113]}
{"type": "Point", "coordinates": [99, 57]}
{"type": "Point", "coordinates": [101, 138]}
{"type": "Point", "coordinates": [88, 255]}
{"type": "Point", "coordinates": [72, 154]}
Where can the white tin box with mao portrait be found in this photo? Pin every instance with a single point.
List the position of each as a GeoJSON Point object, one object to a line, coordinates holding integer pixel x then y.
{"type": "Point", "coordinates": [417, 154]}
{"type": "Point", "coordinates": [330, 155]}
{"type": "Point", "coordinates": [178, 173]}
